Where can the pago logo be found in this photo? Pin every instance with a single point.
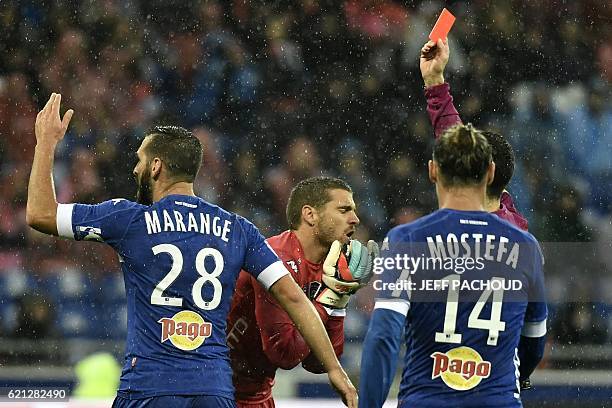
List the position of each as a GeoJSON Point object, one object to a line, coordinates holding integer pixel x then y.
{"type": "Point", "coordinates": [461, 368]}
{"type": "Point", "coordinates": [186, 330]}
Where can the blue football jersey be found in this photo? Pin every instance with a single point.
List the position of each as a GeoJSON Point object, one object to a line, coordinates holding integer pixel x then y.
{"type": "Point", "coordinates": [180, 258]}
{"type": "Point", "coordinates": [469, 284]}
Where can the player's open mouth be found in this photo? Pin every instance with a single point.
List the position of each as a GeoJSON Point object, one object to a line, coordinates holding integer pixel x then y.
{"type": "Point", "coordinates": [350, 234]}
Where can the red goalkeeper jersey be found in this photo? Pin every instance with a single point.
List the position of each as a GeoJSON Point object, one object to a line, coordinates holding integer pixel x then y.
{"type": "Point", "coordinates": [262, 337]}
{"type": "Point", "coordinates": [443, 114]}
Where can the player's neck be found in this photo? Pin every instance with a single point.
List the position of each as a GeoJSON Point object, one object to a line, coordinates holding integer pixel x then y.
{"type": "Point", "coordinates": [492, 204]}
{"type": "Point", "coordinates": [179, 188]}
{"type": "Point", "coordinates": [462, 199]}
{"type": "Point", "coordinates": [313, 251]}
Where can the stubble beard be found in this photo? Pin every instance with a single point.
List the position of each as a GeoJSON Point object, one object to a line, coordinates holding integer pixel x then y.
{"type": "Point", "coordinates": [144, 192]}
{"type": "Point", "coordinates": [325, 233]}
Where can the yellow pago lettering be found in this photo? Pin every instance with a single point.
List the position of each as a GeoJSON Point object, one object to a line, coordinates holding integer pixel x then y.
{"type": "Point", "coordinates": [461, 368]}
{"type": "Point", "coordinates": [186, 330]}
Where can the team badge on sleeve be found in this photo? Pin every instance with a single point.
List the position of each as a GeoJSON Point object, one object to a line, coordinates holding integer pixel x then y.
{"type": "Point", "coordinates": [89, 233]}
{"type": "Point", "coordinates": [186, 330]}
{"type": "Point", "coordinates": [461, 368]}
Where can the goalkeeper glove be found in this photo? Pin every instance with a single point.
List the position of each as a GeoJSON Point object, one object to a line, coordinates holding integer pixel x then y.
{"type": "Point", "coordinates": [345, 272]}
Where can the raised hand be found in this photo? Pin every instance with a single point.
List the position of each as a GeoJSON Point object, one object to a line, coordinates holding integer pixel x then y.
{"type": "Point", "coordinates": [50, 128]}
{"type": "Point", "coordinates": [433, 60]}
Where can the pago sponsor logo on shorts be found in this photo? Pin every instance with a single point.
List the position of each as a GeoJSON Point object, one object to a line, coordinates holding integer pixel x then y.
{"type": "Point", "coordinates": [461, 368]}
{"type": "Point", "coordinates": [186, 330]}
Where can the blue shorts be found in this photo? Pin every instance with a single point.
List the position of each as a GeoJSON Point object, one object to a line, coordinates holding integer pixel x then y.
{"type": "Point", "coordinates": [175, 401]}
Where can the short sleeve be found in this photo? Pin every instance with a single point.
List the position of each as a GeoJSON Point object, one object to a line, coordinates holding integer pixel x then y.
{"type": "Point", "coordinates": [393, 283]}
{"type": "Point", "coordinates": [105, 222]}
{"type": "Point", "coordinates": [260, 259]}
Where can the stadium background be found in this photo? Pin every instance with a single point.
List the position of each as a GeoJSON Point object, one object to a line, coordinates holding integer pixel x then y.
{"type": "Point", "coordinates": [281, 91]}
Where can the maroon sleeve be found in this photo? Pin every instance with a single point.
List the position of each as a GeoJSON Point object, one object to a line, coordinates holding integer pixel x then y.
{"type": "Point", "coordinates": [440, 107]}
{"type": "Point", "coordinates": [335, 331]}
{"type": "Point", "coordinates": [506, 200]}
{"type": "Point", "coordinates": [518, 219]}
{"type": "Point", "coordinates": [282, 342]}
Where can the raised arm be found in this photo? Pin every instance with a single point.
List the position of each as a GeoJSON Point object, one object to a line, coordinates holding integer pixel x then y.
{"type": "Point", "coordinates": [288, 294]}
{"type": "Point", "coordinates": [41, 210]}
{"type": "Point", "coordinates": [440, 108]}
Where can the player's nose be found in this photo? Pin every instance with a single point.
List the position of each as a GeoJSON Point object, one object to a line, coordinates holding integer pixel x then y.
{"type": "Point", "coordinates": [354, 219]}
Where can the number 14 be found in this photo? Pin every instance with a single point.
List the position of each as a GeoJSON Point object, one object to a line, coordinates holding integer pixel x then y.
{"type": "Point", "coordinates": [493, 325]}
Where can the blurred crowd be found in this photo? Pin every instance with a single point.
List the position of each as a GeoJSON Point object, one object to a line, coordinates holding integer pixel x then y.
{"type": "Point", "coordinates": [279, 91]}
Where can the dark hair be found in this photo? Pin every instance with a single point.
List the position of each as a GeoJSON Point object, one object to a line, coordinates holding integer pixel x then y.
{"type": "Point", "coordinates": [503, 156]}
{"type": "Point", "coordinates": [178, 148]}
{"type": "Point", "coordinates": [463, 155]}
{"type": "Point", "coordinates": [313, 191]}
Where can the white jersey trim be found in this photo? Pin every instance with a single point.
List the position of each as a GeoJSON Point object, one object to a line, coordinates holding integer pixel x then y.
{"type": "Point", "coordinates": [64, 220]}
{"type": "Point", "coordinates": [534, 329]}
{"type": "Point", "coordinates": [271, 274]}
{"type": "Point", "coordinates": [400, 306]}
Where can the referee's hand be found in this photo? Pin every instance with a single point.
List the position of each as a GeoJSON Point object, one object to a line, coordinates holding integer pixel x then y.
{"type": "Point", "coordinates": [433, 60]}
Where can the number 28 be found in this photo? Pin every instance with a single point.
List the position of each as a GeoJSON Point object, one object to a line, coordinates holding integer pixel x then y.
{"type": "Point", "coordinates": [158, 298]}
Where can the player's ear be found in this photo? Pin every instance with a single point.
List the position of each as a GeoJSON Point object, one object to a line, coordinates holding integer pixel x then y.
{"type": "Point", "coordinates": [490, 173]}
{"type": "Point", "coordinates": [309, 215]}
{"type": "Point", "coordinates": [433, 171]}
{"type": "Point", "coordinates": [156, 165]}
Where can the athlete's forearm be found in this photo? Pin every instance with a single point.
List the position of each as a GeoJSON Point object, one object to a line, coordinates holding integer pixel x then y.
{"type": "Point", "coordinates": [335, 330]}
{"type": "Point", "coordinates": [379, 357]}
{"type": "Point", "coordinates": [307, 320]}
{"type": "Point", "coordinates": [50, 128]}
{"type": "Point", "coordinates": [41, 207]}
{"type": "Point", "coordinates": [440, 108]}
{"type": "Point", "coordinates": [530, 351]}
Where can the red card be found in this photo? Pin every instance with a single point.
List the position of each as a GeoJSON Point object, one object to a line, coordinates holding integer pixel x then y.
{"type": "Point", "coordinates": [443, 26]}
